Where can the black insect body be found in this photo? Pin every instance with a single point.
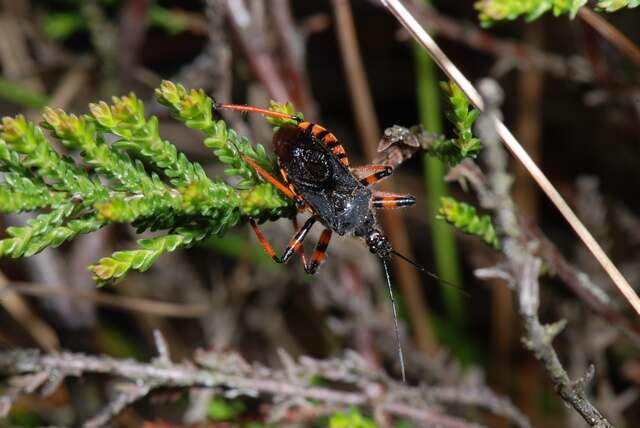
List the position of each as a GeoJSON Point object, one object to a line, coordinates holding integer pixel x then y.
{"type": "Point", "coordinates": [316, 174]}
{"type": "Point", "coordinates": [333, 193]}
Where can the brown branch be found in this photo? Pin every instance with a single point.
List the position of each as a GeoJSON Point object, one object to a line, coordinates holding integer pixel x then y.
{"type": "Point", "coordinates": [611, 34]}
{"type": "Point", "coordinates": [132, 30]}
{"type": "Point", "coordinates": [41, 332]}
{"type": "Point", "coordinates": [259, 61]}
{"type": "Point", "coordinates": [369, 388]}
{"type": "Point", "coordinates": [291, 45]}
{"type": "Point", "coordinates": [133, 304]}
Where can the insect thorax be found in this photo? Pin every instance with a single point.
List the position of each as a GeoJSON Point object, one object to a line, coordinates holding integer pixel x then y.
{"type": "Point", "coordinates": [338, 199]}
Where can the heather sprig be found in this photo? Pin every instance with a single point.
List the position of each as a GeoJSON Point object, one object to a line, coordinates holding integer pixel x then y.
{"type": "Point", "coordinates": [128, 174]}
{"type": "Point", "coordinates": [465, 217]}
{"type": "Point", "coordinates": [195, 109]}
{"type": "Point", "coordinates": [462, 116]}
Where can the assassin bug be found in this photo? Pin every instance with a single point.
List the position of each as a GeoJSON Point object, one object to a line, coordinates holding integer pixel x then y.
{"type": "Point", "coordinates": [316, 174]}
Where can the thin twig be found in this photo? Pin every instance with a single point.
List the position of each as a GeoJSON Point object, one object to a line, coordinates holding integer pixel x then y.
{"type": "Point", "coordinates": [577, 281]}
{"type": "Point", "coordinates": [19, 308]}
{"type": "Point", "coordinates": [368, 130]}
{"type": "Point", "coordinates": [611, 33]}
{"type": "Point", "coordinates": [70, 85]}
{"type": "Point", "coordinates": [134, 304]}
{"type": "Point", "coordinates": [291, 45]}
{"type": "Point", "coordinates": [422, 37]}
{"type": "Point", "coordinates": [132, 30]}
{"type": "Point", "coordinates": [259, 61]}
{"type": "Point", "coordinates": [522, 56]}
{"type": "Point", "coordinates": [522, 268]}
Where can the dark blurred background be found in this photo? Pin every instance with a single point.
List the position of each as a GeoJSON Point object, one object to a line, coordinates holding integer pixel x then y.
{"type": "Point", "coordinates": [571, 96]}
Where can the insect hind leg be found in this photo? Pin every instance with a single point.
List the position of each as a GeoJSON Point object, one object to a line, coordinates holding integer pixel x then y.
{"type": "Point", "coordinates": [319, 253]}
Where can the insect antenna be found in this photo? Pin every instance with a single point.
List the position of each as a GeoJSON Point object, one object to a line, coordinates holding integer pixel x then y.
{"type": "Point", "coordinates": [251, 109]}
{"type": "Point", "coordinates": [395, 320]}
{"type": "Point", "coordinates": [431, 274]}
{"type": "Point", "coordinates": [408, 260]}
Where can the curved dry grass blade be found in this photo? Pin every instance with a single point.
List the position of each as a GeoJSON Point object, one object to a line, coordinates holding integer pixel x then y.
{"type": "Point", "coordinates": [422, 37]}
{"type": "Point", "coordinates": [611, 33]}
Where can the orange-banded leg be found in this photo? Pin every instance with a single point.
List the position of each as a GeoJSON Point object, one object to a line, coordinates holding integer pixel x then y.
{"type": "Point", "coordinates": [319, 253]}
{"type": "Point", "coordinates": [251, 109]}
{"type": "Point", "coordinates": [271, 179]}
{"type": "Point", "coordinates": [365, 171]}
{"type": "Point", "coordinates": [376, 176]}
{"type": "Point", "coordinates": [303, 258]}
{"type": "Point", "coordinates": [294, 245]}
{"type": "Point", "coordinates": [384, 200]}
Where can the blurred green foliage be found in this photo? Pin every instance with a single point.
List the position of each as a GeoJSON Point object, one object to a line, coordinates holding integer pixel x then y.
{"type": "Point", "coordinates": [464, 217]}
{"type": "Point", "coordinates": [222, 409]}
{"type": "Point", "coordinates": [492, 11]}
{"type": "Point", "coordinates": [61, 25]}
{"type": "Point", "coordinates": [445, 251]}
{"type": "Point", "coordinates": [462, 116]}
{"type": "Point", "coordinates": [21, 95]}
{"type": "Point", "coordinates": [351, 419]}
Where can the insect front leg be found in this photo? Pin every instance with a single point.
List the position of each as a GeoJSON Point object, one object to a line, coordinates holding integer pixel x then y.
{"type": "Point", "coordinates": [379, 172]}
{"type": "Point", "coordinates": [295, 243]}
{"type": "Point", "coordinates": [278, 185]}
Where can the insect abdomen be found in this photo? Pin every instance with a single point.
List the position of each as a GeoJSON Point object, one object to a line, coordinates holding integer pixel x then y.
{"type": "Point", "coordinates": [328, 139]}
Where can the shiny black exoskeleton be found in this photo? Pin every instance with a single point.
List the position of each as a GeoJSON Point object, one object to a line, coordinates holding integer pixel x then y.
{"type": "Point", "coordinates": [340, 201]}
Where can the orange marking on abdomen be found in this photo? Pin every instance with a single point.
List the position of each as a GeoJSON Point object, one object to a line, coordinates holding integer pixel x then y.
{"type": "Point", "coordinates": [317, 130]}
{"type": "Point", "coordinates": [338, 151]}
{"type": "Point", "coordinates": [304, 125]}
{"type": "Point", "coordinates": [330, 140]}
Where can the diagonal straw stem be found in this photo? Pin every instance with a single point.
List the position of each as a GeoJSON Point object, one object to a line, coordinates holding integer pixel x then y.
{"type": "Point", "coordinates": [422, 37]}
